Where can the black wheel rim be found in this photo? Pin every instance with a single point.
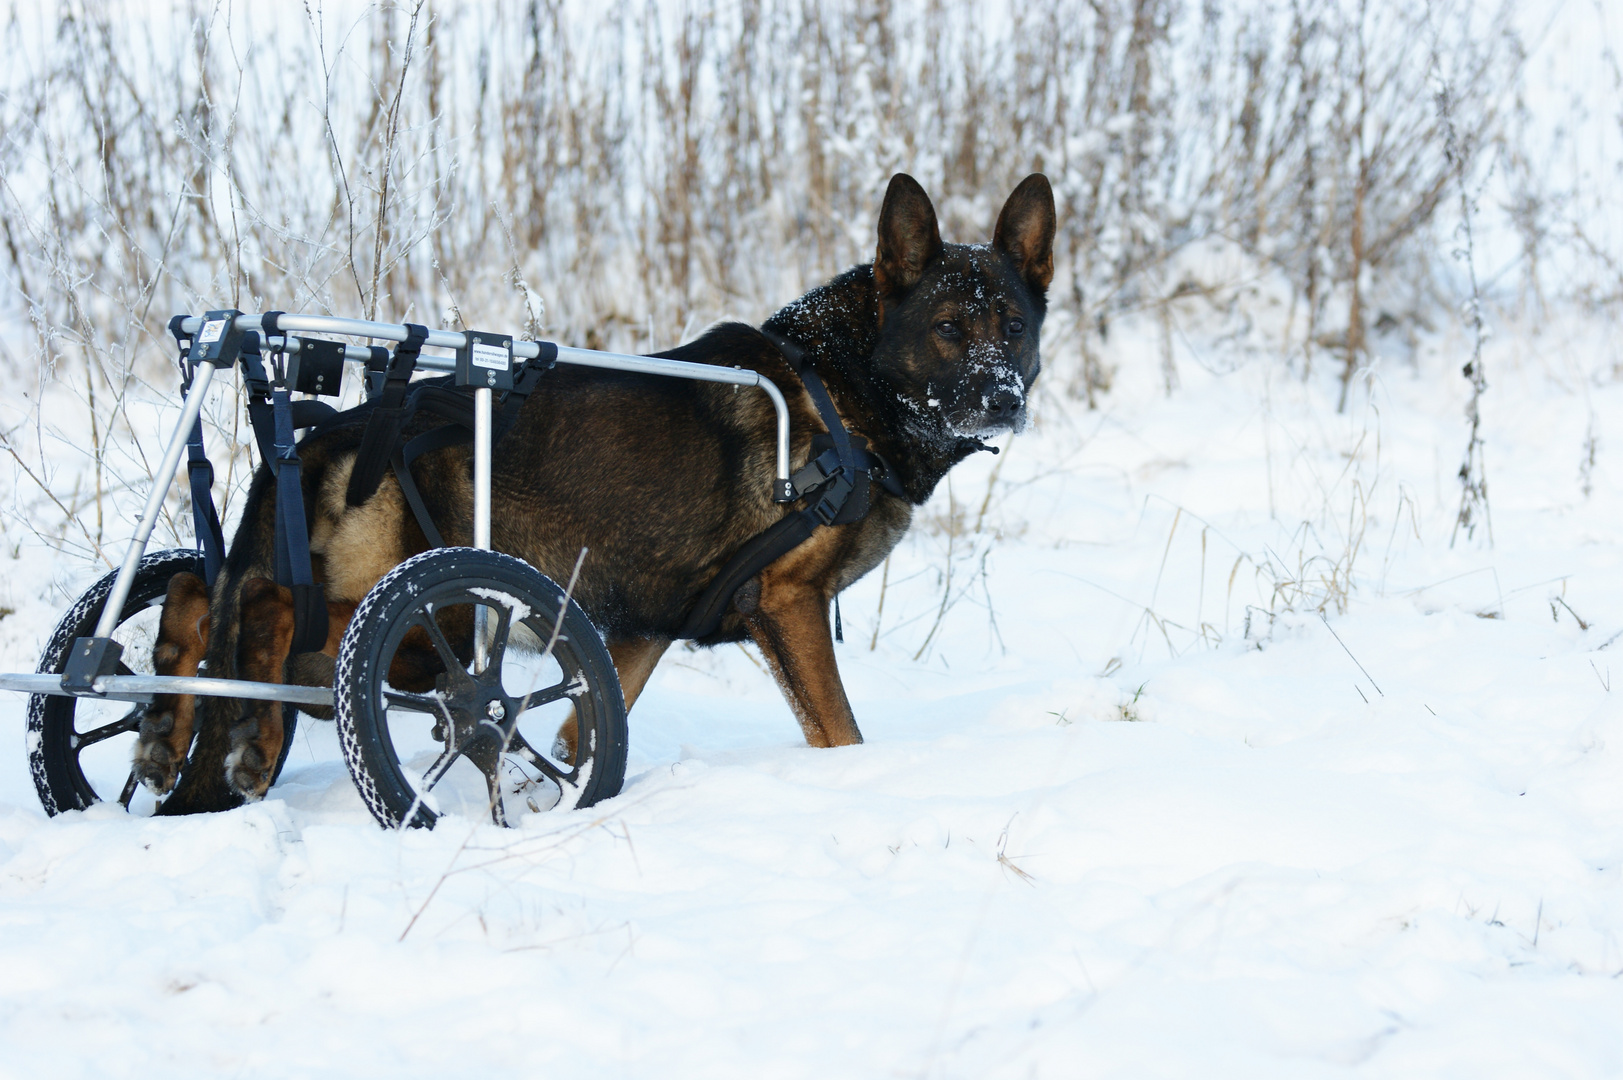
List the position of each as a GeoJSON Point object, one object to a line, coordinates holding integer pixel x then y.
{"type": "Point", "coordinates": [82, 756]}
{"type": "Point", "coordinates": [474, 743]}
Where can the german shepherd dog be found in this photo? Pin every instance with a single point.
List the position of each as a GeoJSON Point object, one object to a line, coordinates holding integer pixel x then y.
{"type": "Point", "coordinates": [926, 351]}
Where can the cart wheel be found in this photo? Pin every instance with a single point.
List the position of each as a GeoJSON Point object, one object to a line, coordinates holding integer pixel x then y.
{"type": "Point", "coordinates": [425, 734]}
{"type": "Point", "coordinates": [79, 748]}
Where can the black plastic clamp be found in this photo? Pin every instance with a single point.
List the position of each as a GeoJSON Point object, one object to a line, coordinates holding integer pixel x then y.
{"type": "Point", "coordinates": [219, 340]}
{"type": "Point", "coordinates": [88, 660]}
{"type": "Point", "coordinates": [317, 368]}
{"type": "Point", "coordinates": [486, 361]}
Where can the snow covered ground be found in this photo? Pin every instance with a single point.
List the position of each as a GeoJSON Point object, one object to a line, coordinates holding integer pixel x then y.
{"type": "Point", "coordinates": [1135, 809]}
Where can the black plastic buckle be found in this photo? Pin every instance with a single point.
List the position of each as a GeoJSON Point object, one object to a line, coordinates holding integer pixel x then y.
{"type": "Point", "coordinates": [89, 660]}
{"type": "Point", "coordinates": [218, 341]}
{"type": "Point", "coordinates": [832, 500]}
{"type": "Point", "coordinates": [377, 370]}
{"type": "Point", "coordinates": [486, 361]}
{"type": "Point", "coordinates": [814, 473]}
{"type": "Point", "coordinates": [317, 368]}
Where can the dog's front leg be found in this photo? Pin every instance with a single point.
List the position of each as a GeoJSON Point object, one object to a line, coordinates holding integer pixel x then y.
{"type": "Point", "coordinates": [788, 621]}
{"type": "Point", "coordinates": [634, 662]}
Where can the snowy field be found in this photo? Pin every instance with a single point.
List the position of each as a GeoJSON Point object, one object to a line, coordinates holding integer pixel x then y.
{"type": "Point", "coordinates": [1135, 809]}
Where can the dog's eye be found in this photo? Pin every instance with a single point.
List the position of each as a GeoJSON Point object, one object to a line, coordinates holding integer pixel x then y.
{"type": "Point", "coordinates": [948, 329]}
{"type": "Point", "coordinates": [1016, 327]}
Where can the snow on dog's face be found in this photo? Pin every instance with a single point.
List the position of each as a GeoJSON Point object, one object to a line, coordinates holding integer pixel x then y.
{"type": "Point", "coordinates": [959, 323]}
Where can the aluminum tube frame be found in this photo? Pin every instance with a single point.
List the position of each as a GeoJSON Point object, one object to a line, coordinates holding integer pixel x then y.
{"type": "Point", "coordinates": [189, 410]}
{"type": "Point", "coordinates": [450, 339]}
{"type": "Point", "coordinates": [482, 399]}
{"type": "Point", "coordinates": [655, 365]}
{"type": "Point", "coordinates": [330, 324]}
{"type": "Point", "coordinates": [143, 687]}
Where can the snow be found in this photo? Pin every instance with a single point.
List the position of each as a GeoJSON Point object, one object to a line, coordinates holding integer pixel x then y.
{"type": "Point", "coordinates": [1136, 809]}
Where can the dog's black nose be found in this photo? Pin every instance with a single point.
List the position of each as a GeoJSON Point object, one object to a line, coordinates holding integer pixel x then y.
{"type": "Point", "coordinates": [1002, 403]}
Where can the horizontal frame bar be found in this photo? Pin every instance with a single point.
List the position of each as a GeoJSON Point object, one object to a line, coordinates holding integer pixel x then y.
{"type": "Point", "coordinates": [143, 687]}
{"type": "Point", "coordinates": [451, 339]}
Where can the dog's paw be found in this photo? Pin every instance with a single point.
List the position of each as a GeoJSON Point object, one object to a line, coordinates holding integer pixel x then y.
{"type": "Point", "coordinates": [248, 766]}
{"type": "Point", "coordinates": [246, 773]}
{"type": "Point", "coordinates": [563, 744]}
{"type": "Point", "coordinates": [155, 762]}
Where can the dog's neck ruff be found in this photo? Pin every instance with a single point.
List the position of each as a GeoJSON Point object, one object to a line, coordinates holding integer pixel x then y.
{"type": "Point", "coordinates": [835, 485]}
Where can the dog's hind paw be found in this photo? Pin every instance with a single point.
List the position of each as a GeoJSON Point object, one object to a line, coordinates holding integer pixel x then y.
{"type": "Point", "coordinates": [247, 773]}
{"type": "Point", "coordinates": [154, 761]}
{"type": "Point", "coordinates": [247, 766]}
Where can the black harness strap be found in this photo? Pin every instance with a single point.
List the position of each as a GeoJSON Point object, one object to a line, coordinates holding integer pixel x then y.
{"type": "Point", "coordinates": [205, 519]}
{"type": "Point", "coordinates": [258, 382]}
{"type": "Point", "coordinates": [388, 417]}
{"type": "Point", "coordinates": [455, 405]}
{"type": "Point", "coordinates": [759, 552]}
{"type": "Point", "coordinates": [200, 476]}
{"type": "Point", "coordinates": [293, 536]}
{"type": "Point", "coordinates": [838, 475]}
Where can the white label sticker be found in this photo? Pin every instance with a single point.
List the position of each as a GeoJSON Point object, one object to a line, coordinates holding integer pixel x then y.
{"type": "Point", "coordinates": [211, 331]}
{"type": "Point", "coordinates": [489, 356]}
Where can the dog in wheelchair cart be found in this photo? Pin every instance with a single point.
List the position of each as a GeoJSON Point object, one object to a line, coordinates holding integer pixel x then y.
{"type": "Point", "coordinates": [921, 354]}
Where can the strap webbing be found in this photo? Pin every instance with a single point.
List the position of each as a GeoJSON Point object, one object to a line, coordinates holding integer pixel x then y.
{"type": "Point", "coordinates": [455, 405]}
{"type": "Point", "coordinates": [841, 496]}
{"type": "Point", "coordinates": [388, 417]}
{"type": "Point", "coordinates": [293, 536]}
{"type": "Point", "coordinates": [759, 552]}
{"type": "Point", "coordinates": [414, 499]}
{"type": "Point", "coordinates": [205, 520]}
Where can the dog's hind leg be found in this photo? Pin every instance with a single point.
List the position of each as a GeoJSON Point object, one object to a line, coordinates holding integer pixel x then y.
{"type": "Point", "coordinates": [266, 637]}
{"type": "Point", "coordinates": [166, 729]}
{"type": "Point", "coordinates": [634, 661]}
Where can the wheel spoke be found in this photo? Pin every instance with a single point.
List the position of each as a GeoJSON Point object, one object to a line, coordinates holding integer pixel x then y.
{"type": "Point", "coordinates": [128, 792]}
{"type": "Point", "coordinates": [131, 721]}
{"type": "Point", "coordinates": [484, 757]}
{"type": "Point", "coordinates": [498, 812]}
{"type": "Point", "coordinates": [520, 747]}
{"type": "Point", "coordinates": [422, 703]}
{"type": "Point", "coordinates": [498, 645]}
{"type": "Point", "coordinates": [537, 698]}
{"type": "Point", "coordinates": [431, 626]}
{"type": "Point", "coordinates": [442, 764]}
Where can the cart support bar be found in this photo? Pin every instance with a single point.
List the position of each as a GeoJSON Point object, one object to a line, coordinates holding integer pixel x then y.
{"type": "Point", "coordinates": [481, 512]}
{"type": "Point", "coordinates": [143, 687]}
{"type": "Point", "coordinates": [161, 480]}
{"type": "Point", "coordinates": [654, 365]}
{"type": "Point", "coordinates": [782, 491]}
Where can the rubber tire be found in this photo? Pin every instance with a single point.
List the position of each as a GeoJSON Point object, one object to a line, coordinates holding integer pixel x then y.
{"type": "Point", "coordinates": [373, 634]}
{"type": "Point", "coordinates": [60, 782]}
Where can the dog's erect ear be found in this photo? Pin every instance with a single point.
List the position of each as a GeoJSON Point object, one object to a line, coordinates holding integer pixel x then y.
{"type": "Point", "coordinates": [908, 236]}
{"type": "Point", "coordinates": [1025, 231]}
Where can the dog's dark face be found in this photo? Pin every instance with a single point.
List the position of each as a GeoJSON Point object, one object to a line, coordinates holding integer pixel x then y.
{"type": "Point", "coordinates": [959, 323]}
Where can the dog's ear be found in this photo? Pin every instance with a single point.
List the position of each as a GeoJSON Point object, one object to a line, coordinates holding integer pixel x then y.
{"type": "Point", "coordinates": [908, 236]}
{"type": "Point", "coordinates": [1025, 231]}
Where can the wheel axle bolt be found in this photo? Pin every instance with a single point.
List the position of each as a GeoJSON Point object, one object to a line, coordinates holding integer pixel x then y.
{"type": "Point", "coordinates": [496, 710]}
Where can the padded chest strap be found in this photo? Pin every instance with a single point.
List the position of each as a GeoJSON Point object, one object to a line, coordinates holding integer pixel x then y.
{"type": "Point", "coordinates": [835, 483]}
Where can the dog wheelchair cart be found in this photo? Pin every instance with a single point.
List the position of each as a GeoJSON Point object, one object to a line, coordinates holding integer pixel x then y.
{"type": "Point", "coordinates": [513, 653]}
